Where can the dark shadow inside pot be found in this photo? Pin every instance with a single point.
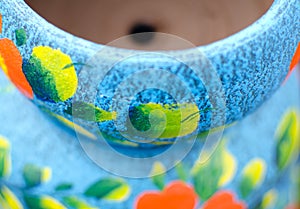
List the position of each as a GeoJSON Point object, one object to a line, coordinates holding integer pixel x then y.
{"type": "Point", "coordinates": [198, 21]}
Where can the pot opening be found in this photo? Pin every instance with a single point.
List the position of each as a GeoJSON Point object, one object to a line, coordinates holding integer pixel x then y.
{"type": "Point", "coordinates": [197, 21]}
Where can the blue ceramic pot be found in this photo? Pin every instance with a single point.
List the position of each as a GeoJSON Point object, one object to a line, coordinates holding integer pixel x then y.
{"type": "Point", "coordinates": [142, 99]}
{"type": "Point", "coordinates": [216, 84]}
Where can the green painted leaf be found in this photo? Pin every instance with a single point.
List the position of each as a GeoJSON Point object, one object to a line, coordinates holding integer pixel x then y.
{"type": "Point", "coordinates": [206, 176]}
{"type": "Point", "coordinates": [76, 203]}
{"type": "Point", "coordinates": [252, 176]}
{"type": "Point", "coordinates": [229, 168]}
{"type": "Point", "coordinates": [64, 187]}
{"type": "Point", "coordinates": [8, 200]}
{"type": "Point", "coordinates": [42, 202]}
{"type": "Point", "coordinates": [269, 199]}
{"type": "Point", "coordinates": [76, 64]}
{"type": "Point", "coordinates": [110, 189]}
{"type": "Point", "coordinates": [3, 203]}
{"type": "Point", "coordinates": [165, 121]}
{"type": "Point", "coordinates": [34, 175]}
{"type": "Point", "coordinates": [21, 37]}
{"type": "Point", "coordinates": [44, 73]}
{"type": "Point", "coordinates": [217, 171]}
{"type": "Point", "coordinates": [158, 175]}
{"type": "Point", "coordinates": [5, 158]}
{"type": "Point", "coordinates": [181, 172]}
{"type": "Point", "coordinates": [89, 112]}
{"type": "Point", "coordinates": [287, 136]}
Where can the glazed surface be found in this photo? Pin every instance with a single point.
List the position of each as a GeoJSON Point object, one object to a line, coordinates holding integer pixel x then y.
{"type": "Point", "coordinates": [244, 65]}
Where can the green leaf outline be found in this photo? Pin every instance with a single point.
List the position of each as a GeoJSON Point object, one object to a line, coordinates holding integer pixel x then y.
{"type": "Point", "coordinates": [75, 202]}
{"type": "Point", "coordinates": [104, 188]}
{"type": "Point", "coordinates": [287, 137]}
{"type": "Point", "coordinates": [64, 187]}
{"type": "Point", "coordinates": [158, 175]}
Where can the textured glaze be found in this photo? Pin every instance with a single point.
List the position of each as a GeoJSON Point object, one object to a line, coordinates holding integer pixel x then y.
{"type": "Point", "coordinates": [251, 64]}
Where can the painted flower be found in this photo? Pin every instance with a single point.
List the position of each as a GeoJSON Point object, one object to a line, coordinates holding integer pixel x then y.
{"type": "Point", "coordinates": [296, 58]}
{"type": "Point", "coordinates": [223, 200]}
{"type": "Point", "coordinates": [11, 64]}
{"type": "Point", "coordinates": [295, 61]}
{"type": "Point", "coordinates": [177, 195]}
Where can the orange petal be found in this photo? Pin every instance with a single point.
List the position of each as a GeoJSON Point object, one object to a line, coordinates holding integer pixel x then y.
{"type": "Point", "coordinates": [150, 200]}
{"type": "Point", "coordinates": [180, 196]}
{"type": "Point", "coordinates": [223, 200]}
{"type": "Point", "coordinates": [296, 58]}
{"type": "Point", "coordinates": [177, 195]}
{"type": "Point", "coordinates": [218, 199]}
{"type": "Point", "coordinates": [11, 63]}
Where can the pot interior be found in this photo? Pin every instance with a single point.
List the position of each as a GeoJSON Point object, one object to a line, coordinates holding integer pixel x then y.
{"type": "Point", "coordinates": [198, 21]}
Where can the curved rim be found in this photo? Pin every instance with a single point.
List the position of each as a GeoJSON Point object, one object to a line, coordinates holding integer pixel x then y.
{"type": "Point", "coordinates": [239, 38]}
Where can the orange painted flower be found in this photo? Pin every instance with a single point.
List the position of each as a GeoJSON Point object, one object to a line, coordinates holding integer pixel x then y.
{"type": "Point", "coordinates": [296, 58]}
{"type": "Point", "coordinates": [176, 195]}
{"type": "Point", "coordinates": [11, 64]}
{"type": "Point", "coordinates": [223, 200]}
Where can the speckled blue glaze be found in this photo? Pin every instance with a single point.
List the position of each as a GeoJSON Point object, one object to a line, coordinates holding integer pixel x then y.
{"type": "Point", "coordinates": [251, 64]}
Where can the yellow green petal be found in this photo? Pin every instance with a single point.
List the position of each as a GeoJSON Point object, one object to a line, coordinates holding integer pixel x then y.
{"type": "Point", "coordinates": [74, 126]}
{"type": "Point", "coordinates": [252, 176]}
{"type": "Point", "coordinates": [269, 199]}
{"type": "Point", "coordinates": [47, 202]}
{"type": "Point", "coordinates": [10, 199]}
{"type": "Point", "coordinates": [256, 171]}
{"type": "Point", "coordinates": [5, 158]}
{"type": "Point", "coordinates": [46, 174]}
{"type": "Point", "coordinates": [229, 168]}
{"type": "Point", "coordinates": [115, 189]}
{"type": "Point", "coordinates": [158, 174]}
{"type": "Point", "coordinates": [169, 121]}
{"type": "Point", "coordinates": [77, 203]}
{"type": "Point", "coordinates": [287, 135]}
{"type": "Point", "coordinates": [120, 194]}
{"type": "Point", "coordinates": [47, 76]}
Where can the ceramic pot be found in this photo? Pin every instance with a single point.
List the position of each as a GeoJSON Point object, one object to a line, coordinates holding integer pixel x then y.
{"type": "Point", "coordinates": [141, 99]}
{"type": "Point", "coordinates": [225, 80]}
